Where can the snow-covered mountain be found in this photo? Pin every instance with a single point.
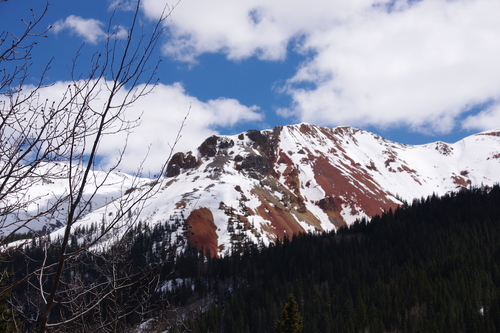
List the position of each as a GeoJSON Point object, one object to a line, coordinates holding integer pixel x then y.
{"type": "Point", "coordinates": [35, 208]}
{"type": "Point", "coordinates": [307, 178]}
{"type": "Point", "coordinates": [262, 185]}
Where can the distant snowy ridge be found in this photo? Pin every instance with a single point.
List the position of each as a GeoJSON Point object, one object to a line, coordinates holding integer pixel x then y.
{"type": "Point", "coordinates": [43, 192]}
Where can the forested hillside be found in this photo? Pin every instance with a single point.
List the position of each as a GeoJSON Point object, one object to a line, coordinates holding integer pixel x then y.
{"type": "Point", "coordinates": [432, 266]}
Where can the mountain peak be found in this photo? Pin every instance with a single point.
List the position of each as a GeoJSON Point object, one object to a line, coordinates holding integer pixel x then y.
{"type": "Point", "coordinates": [259, 186]}
{"type": "Point", "coordinates": [302, 178]}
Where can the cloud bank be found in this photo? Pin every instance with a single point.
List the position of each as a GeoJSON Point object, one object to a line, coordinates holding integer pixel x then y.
{"type": "Point", "coordinates": [161, 116]}
{"type": "Point", "coordinates": [424, 64]}
{"type": "Point", "coordinates": [158, 119]}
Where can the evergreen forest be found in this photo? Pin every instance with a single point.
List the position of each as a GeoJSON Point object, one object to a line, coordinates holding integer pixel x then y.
{"type": "Point", "coordinates": [429, 266]}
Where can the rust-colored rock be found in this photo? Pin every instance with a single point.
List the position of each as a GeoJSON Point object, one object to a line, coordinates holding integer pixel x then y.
{"type": "Point", "coordinates": [202, 231]}
{"type": "Point", "coordinates": [371, 200]}
{"type": "Point", "coordinates": [282, 222]}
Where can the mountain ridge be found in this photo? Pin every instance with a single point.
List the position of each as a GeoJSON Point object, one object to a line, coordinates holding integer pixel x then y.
{"type": "Point", "coordinates": [253, 188]}
{"type": "Point", "coordinates": [304, 178]}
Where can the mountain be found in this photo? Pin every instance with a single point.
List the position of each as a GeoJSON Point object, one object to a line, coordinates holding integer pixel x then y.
{"type": "Point", "coordinates": [33, 205]}
{"type": "Point", "coordinates": [307, 178]}
{"type": "Point", "coordinates": [258, 186]}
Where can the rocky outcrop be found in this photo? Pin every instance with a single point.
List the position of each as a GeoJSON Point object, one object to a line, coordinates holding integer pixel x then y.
{"type": "Point", "coordinates": [215, 145]}
{"type": "Point", "coordinates": [181, 161]}
{"type": "Point", "coordinates": [260, 163]}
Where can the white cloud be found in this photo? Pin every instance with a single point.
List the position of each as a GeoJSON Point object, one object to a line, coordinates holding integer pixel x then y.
{"type": "Point", "coordinates": [485, 120]}
{"type": "Point", "coordinates": [91, 30]}
{"type": "Point", "coordinates": [421, 67]}
{"type": "Point", "coordinates": [161, 114]}
{"type": "Point", "coordinates": [245, 28]}
{"type": "Point", "coordinates": [423, 64]}
{"type": "Point", "coordinates": [125, 5]}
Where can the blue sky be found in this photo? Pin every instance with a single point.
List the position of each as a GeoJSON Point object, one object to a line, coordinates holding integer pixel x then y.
{"type": "Point", "coordinates": [412, 71]}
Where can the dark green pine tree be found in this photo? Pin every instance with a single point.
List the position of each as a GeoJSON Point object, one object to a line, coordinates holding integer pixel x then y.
{"type": "Point", "coordinates": [292, 320]}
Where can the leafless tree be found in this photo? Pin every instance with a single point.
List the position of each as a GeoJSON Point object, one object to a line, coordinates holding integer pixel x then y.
{"type": "Point", "coordinates": [46, 141]}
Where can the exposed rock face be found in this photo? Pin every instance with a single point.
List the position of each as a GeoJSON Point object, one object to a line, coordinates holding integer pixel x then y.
{"type": "Point", "coordinates": [202, 233]}
{"type": "Point", "coordinates": [260, 162]}
{"type": "Point", "coordinates": [332, 207]}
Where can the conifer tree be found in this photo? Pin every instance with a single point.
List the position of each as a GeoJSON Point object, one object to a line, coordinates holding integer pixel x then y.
{"type": "Point", "coordinates": [292, 320]}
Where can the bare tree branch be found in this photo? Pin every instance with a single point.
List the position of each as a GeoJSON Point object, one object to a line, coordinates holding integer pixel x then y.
{"type": "Point", "coordinates": [47, 141]}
